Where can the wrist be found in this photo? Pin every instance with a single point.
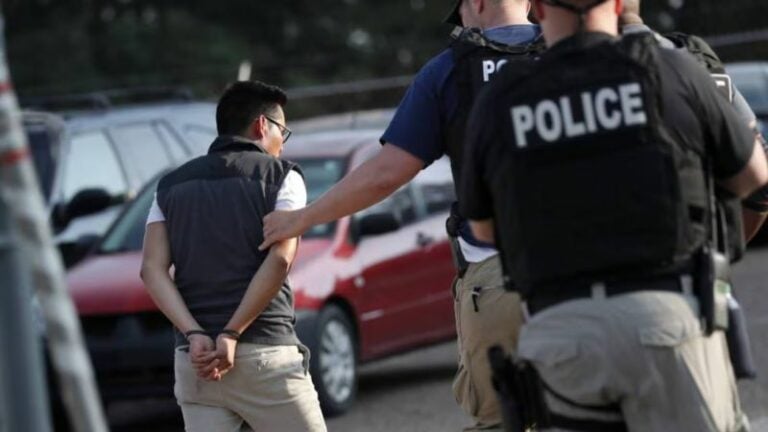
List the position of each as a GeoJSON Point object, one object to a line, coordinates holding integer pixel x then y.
{"type": "Point", "coordinates": [229, 334]}
{"type": "Point", "coordinates": [194, 332]}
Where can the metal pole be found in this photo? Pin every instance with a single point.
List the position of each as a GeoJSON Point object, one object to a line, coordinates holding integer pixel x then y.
{"type": "Point", "coordinates": [32, 256]}
{"type": "Point", "coordinates": [21, 363]}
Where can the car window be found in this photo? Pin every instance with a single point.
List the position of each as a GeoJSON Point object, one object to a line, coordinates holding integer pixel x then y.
{"type": "Point", "coordinates": [199, 139]}
{"type": "Point", "coordinates": [437, 197]}
{"type": "Point", "coordinates": [44, 147]}
{"type": "Point", "coordinates": [401, 204]}
{"type": "Point", "coordinates": [91, 163]}
{"type": "Point", "coordinates": [127, 235]}
{"type": "Point", "coordinates": [142, 150]}
{"type": "Point", "coordinates": [434, 187]}
{"type": "Point", "coordinates": [320, 174]}
{"type": "Point", "coordinates": [754, 87]}
{"type": "Point", "coordinates": [177, 149]}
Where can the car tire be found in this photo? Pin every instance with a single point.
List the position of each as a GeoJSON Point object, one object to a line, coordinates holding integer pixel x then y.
{"type": "Point", "coordinates": [333, 363]}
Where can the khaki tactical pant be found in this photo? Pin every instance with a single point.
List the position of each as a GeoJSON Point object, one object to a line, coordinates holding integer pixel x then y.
{"type": "Point", "coordinates": [269, 389]}
{"type": "Point", "coordinates": [644, 351]}
{"type": "Point", "coordinates": [486, 315]}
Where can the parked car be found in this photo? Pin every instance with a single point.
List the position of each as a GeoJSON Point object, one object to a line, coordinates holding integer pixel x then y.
{"type": "Point", "coordinates": [751, 78]}
{"type": "Point", "coordinates": [91, 157]}
{"type": "Point", "coordinates": [365, 287]}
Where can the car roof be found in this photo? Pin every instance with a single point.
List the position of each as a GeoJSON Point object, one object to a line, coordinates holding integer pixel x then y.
{"type": "Point", "coordinates": [376, 119]}
{"type": "Point", "coordinates": [198, 112]}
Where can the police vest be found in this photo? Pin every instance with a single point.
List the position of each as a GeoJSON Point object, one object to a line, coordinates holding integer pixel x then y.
{"type": "Point", "coordinates": [591, 184]}
{"type": "Point", "coordinates": [730, 221]}
{"type": "Point", "coordinates": [476, 61]}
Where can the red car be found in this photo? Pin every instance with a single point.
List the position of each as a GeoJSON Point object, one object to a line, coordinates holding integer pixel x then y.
{"type": "Point", "coordinates": [366, 286]}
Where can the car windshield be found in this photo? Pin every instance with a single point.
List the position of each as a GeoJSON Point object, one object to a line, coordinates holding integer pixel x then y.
{"type": "Point", "coordinates": [127, 234]}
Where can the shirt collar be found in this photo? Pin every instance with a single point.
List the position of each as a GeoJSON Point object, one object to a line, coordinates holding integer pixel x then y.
{"type": "Point", "coordinates": [225, 143]}
{"type": "Point", "coordinates": [581, 41]}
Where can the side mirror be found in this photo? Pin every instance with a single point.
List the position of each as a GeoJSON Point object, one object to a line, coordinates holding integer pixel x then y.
{"type": "Point", "coordinates": [74, 252]}
{"type": "Point", "coordinates": [85, 202]}
{"type": "Point", "coordinates": [375, 224]}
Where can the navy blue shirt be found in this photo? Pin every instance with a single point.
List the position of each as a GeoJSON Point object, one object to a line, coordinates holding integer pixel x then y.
{"type": "Point", "coordinates": [430, 102]}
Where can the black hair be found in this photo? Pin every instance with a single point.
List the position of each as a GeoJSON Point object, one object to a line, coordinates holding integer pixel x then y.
{"type": "Point", "coordinates": [243, 101]}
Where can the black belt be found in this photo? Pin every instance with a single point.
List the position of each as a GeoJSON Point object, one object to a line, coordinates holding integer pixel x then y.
{"type": "Point", "coordinates": [564, 293]}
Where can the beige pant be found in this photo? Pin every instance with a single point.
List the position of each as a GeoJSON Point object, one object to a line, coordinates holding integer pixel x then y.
{"type": "Point", "coordinates": [484, 317]}
{"type": "Point", "coordinates": [268, 389]}
{"type": "Point", "coordinates": [644, 351]}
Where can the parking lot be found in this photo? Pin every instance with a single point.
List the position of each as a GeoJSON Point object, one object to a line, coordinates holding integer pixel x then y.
{"type": "Point", "coordinates": [412, 392]}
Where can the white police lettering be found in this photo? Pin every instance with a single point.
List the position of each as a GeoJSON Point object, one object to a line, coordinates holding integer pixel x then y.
{"type": "Point", "coordinates": [490, 67]}
{"type": "Point", "coordinates": [605, 109]}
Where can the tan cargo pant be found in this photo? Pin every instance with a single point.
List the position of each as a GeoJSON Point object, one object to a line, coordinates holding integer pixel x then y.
{"type": "Point", "coordinates": [644, 351]}
{"type": "Point", "coordinates": [486, 315]}
{"type": "Point", "coordinates": [269, 389]}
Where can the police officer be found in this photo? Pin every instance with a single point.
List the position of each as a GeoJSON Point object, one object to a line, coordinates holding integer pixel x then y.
{"type": "Point", "coordinates": [591, 168]}
{"type": "Point", "coordinates": [428, 124]}
{"type": "Point", "coordinates": [745, 217]}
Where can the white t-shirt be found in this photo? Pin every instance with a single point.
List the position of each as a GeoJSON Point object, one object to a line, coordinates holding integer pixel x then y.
{"type": "Point", "coordinates": [291, 196]}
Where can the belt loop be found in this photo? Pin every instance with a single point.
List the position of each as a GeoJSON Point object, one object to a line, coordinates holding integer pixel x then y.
{"type": "Point", "coordinates": [686, 284]}
{"type": "Point", "coordinates": [599, 291]}
{"type": "Point", "coordinates": [306, 354]}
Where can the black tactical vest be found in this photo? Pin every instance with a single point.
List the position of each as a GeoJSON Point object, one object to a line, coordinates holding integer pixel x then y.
{"type": "Point", "coordinates": [214, 206]}
{"type": "Point", "coordinates": [596, 188]}
{"type": "Point", "coordinates": [476, 61]}
{"type": "Point", "coordinates": [730, 222]}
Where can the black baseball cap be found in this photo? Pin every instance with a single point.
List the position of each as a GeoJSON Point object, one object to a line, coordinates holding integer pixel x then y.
{"type": "Point", "coordinates": [454, 17]}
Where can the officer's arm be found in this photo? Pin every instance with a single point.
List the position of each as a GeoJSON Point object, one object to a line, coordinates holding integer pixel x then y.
{"type": "Point", "coordinates": [264, 285]}
{"type": "Point", "coordinates": [156, 261]}
{"type": "Point", "coordinates": [368, 184]}
{"type": "Point", "coordinates": [752, 176]}
{"type": "Point", "coordinates": [483, 230]}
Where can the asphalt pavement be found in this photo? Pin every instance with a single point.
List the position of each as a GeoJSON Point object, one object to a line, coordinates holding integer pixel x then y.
{"type": "Point", "coordinates": [412, 392]}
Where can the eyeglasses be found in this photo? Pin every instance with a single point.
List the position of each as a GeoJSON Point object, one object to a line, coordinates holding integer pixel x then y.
{"type": "Point", "coordinates": [284, 131]}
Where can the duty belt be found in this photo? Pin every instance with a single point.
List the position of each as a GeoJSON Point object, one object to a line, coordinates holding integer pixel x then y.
{"type": "Point", "coordinates": [569, 292]}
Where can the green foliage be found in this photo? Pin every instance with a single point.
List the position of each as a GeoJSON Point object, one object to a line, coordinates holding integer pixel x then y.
{"type": "Point", "coordinates": [58, 46]}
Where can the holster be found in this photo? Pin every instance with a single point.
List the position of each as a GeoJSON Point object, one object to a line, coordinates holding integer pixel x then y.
{"type": "Point", "coordinates": [520, 392]}
{"type": "Point", "coordinates": [712, 287]}
{"type": "Point", "coordinates": [739, 345]}
{"type": "Point", "coordinates": [452, 227]}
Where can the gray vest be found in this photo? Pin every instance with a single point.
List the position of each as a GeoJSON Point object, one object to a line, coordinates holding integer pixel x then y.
{"type": "Point", "coordinates": [214, 206]}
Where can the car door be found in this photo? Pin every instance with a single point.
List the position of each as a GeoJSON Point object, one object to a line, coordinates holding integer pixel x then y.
{"type": "Point", "coordinates": [399, 279]}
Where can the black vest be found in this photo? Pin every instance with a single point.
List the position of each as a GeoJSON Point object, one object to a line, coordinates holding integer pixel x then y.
{"type": "Point", "coordinates": [477, 60]}
{"type": "Point", "coordinates": [214, 206]}
{"type": "Point", "coordinates": [595, 187]}
{"type": "Point", "coordinates": [729, 212]}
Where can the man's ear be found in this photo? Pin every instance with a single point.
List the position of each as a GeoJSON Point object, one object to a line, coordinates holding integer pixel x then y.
{"type": "Point", "coordinates": [258, 128]}
{"type": "Point", "coordinates": [478, 5]}
{"type": "Point", "coordinates": [538, 9]}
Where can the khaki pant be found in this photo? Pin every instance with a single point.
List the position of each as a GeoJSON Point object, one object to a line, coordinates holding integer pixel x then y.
{"type": "Point", "coordinates": [269, 389]}
{"type": "Point", "coordinates": [644, 351]}
{"type": "Point", "coordinates": [486, 315]}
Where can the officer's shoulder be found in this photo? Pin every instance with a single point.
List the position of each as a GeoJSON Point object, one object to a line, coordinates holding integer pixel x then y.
{"type": "Point", "coordinates": [441, 63]}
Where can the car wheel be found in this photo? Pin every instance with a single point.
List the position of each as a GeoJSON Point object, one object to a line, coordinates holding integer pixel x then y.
{"type": "Point", "coordinates": [334, 362]}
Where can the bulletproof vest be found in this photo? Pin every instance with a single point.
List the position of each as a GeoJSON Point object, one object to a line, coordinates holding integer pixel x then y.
{"type": "Point", "coordinates": [214, 205]}
{"type": "Point", "coordinates": [477, 60]}
{"type": "Point", "coordinates": [728, 207]}
{"type": "Point", "coordinates": [591, 185]}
